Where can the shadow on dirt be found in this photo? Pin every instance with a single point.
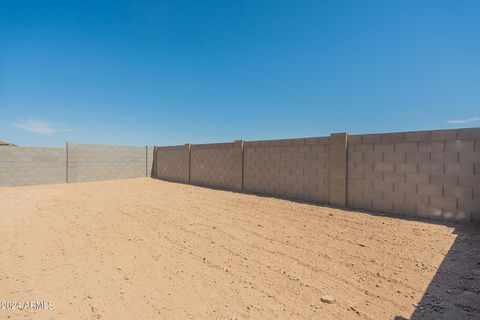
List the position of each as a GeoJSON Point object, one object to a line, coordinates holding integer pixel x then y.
{"type": "Point", "coordinates": [454, 292]}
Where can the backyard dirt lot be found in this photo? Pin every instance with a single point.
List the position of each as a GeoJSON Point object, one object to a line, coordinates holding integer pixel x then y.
{"type": "Point", "coordinates": [149, 249]}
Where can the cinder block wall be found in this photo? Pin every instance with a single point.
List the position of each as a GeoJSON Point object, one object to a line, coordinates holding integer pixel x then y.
{"type": "Point", "coordinates": [173, 163]}
{"type": "Point", "coordinates": [29, 166]}
{"type": "Point", "coordinates": [293, 168]}
{"type": "Point", "coordinates": [75, 163]}
{"type": "Point", "coordinates": [88, 162]}
{"type": "Point", "coordinates": [150, 161]}
{"type": "Point", "coordinates": [434, 174]}
{"type": "Point", "coordinates": [215, 165]}
{"type": "Point", "coordinates": [431, 174]}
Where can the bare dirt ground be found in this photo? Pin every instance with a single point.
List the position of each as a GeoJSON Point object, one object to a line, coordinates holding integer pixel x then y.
{"type": "Point", "coordinates": [148, 249]}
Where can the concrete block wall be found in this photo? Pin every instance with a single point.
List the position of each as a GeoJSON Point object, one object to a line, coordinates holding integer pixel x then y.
{"type": "Point", "coordinates": [432, 174]}
{"type": "Point", "coordinates": [338, 170]}
{"type": "Point", "coordinates": [173, 163]}
{"type": "Point", "coordinates": [87, 162]}
{"type": "Point", "coordinates": [150, 161]}
{"type": "Point", "coordinates": [428, 174]}
{"type": "Point", "coordinates": [216, 165]}
{"type": "Point", "coordinates": [293, 168]}
{"type": "Point", "coordinates": [29, 166]}
{"type": "Point", "coordinates": [75, 163]}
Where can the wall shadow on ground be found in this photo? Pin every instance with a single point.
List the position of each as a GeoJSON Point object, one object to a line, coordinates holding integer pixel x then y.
{"type": "Point", "coordinates": [454, 292]}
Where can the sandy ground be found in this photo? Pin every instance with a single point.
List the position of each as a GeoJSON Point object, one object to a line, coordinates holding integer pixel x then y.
{"type": "Point", "coordinates": [148, 249]}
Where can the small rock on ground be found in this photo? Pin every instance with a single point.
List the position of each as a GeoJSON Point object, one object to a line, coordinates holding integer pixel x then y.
{"type": "Point", "coordinates": [327, 298]}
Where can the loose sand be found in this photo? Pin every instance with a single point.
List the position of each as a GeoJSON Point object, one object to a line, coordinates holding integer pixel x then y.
{"type": "Point", "coordinates": [148, 249]}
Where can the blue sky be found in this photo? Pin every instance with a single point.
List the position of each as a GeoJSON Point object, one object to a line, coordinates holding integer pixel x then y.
{"type": "Point", "coordinates": [172, 72]}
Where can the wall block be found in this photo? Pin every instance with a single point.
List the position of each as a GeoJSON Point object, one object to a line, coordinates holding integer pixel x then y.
{"type": "Point", "coordinates": [338, 169]}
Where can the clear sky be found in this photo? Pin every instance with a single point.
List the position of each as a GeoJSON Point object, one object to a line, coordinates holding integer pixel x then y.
{"type": "Point", "coordinates": [172, 72]}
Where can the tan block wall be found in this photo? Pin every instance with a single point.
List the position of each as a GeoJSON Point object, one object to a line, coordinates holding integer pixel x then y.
{"type": "Point", "coordinates": [434, 174]}
{"type": "Point", "coordinates": [173, 163]}
{"type": "Point", "coordinates": [294, 168]}
{"type": "Point", "coordinates": [214, 165]}
{"type": "Point", "coordinates": [338, 169]}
